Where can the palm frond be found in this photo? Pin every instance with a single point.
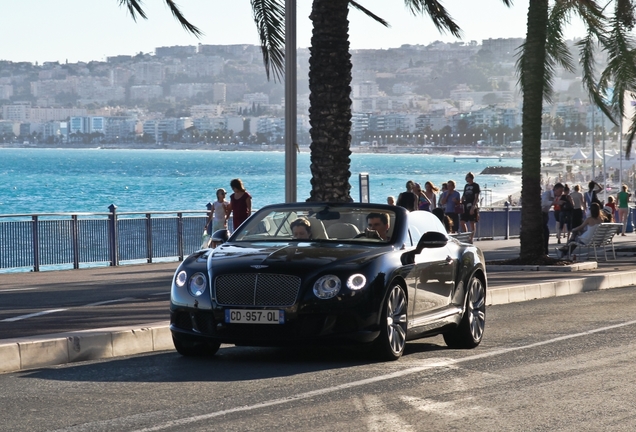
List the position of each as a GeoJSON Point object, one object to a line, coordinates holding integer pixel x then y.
{"type": "Point", "coordinates": [624, 12]}
{"type": "Point", "coordinates": [134, 8]}
{"type": "Point", "coordinates": [621, 68]}
{"type": "Point", "coordinates": [631, 133]}
{"type": "Point", "coordinates": [368, 13]}
{"type": "Point", "coordinates": [269, 16]}
{"type": "Point", "coordinates": [440, 16]}
{"type": "Point", "coordinates": [182, 20]}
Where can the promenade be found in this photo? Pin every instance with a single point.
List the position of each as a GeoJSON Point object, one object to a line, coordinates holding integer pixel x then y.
{"type": "Point", "coordinates": [149, 331]}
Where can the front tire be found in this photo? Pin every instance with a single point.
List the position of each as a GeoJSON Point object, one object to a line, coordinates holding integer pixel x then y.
{"type": "Point", "coordinates": [390, 343]}
{"type": "Point", "coordinates": [469, 332]}
{"type": "Point", "coordinates": [195, 349]}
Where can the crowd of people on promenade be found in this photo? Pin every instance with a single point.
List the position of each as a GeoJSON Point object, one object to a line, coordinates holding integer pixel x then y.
{"type": "Point", "coordinates": [458, 212]}
{"type": "Point", "coordinates": [577, 213]}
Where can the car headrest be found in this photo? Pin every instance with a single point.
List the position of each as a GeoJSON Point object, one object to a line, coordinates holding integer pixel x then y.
{"type": "Point", "coordinates": [342, 230]}
{"type": "Point", "coordinates": [317, 229]}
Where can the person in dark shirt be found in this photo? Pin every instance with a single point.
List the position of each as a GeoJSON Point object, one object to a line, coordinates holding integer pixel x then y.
{"type": "Point", "coordinates": [240, 203]}
{"type": "Point", "coordinates": [470, 200]}
{"type": "Point", "coordinates": [408, 199]}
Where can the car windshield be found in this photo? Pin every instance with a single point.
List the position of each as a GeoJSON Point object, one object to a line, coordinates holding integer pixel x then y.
{"type": "Point", "coordinates": [311, 223]}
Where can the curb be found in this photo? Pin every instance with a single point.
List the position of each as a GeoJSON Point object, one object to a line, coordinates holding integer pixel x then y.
{"type": "Point", "coordinates": [586, 265]}
{"type": "Point", "coordinates": [57, 349]}
{"type": "Point", "coordinates": [49, 350]}
{"type": "Point", "coordinates": [556, 288]}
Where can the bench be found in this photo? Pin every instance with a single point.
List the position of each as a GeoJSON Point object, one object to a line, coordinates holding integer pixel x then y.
{"type": "Point", "coordinates": [602, 238]}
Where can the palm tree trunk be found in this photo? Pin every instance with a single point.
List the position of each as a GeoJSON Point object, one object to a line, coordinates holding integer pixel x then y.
{"type": "Point", "coordinates": [330, 103]}
{"type": "Point", "coordinates": [533, 65]}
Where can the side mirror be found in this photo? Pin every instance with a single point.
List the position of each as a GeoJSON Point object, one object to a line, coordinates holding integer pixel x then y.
{"type": "Point", "coordinates": [220, 236]}
{"type": "Point", "coordinates": [431, 240]}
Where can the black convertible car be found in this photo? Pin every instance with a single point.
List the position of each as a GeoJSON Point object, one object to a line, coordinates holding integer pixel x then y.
{"type": "Point", "coordinates": [330, 272]}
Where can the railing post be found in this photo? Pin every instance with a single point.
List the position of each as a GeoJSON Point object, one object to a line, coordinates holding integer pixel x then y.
{"type": "Point", "coordinates": [113, 236]}
{"type": "Point", "coordinates": [75, 235]}
{"type": "Point", "coordinates": [180, 235]}
{"type": "Point", "coordinates": [149, 237]}
{"type": "Point", "coordinates": [507, 204]}
{"type": "Point", "coordinates": [36, 244]}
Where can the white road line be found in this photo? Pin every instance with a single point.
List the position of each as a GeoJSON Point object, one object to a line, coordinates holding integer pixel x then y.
{"type": "Point", "coordinates": [21, 317]}
{"type": "Point", "coordinates": [429, 364]}
{"type": "Point", "coordinates": [16, 289]}
{"type": "Point", "coordinates": [37, 314]}
{"type": "Point", "coordinates": [106, 302]}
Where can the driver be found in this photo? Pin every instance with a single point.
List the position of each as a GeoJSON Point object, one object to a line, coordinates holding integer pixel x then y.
{"type": "Point", "coordinates": [379, 223]}
{"type": "Point", "coordinates": [301, 229]}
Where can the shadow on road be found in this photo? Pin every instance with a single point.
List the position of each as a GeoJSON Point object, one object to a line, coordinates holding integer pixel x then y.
{"type": "Point", "coordinates": [229, 364]}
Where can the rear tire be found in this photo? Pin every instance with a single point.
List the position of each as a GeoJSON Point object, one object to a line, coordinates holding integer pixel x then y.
{"type": "Point", "coordinates": [195, 349]}
{"type": "Point", "coordinates": [469, 332]}
{"type": "Point", "coordinates": [393, 319]}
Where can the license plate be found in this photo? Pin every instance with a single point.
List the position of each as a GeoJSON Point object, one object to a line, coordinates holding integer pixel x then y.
{"type": "Point", "coordinates": [247, 316]}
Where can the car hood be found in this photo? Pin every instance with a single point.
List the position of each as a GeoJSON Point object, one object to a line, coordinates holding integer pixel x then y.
{"type": "Point", "coordinates": [298, 255]}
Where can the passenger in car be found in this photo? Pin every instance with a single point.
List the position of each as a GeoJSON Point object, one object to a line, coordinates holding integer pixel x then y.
{"type": "Point", "coordinates": [301, 229]}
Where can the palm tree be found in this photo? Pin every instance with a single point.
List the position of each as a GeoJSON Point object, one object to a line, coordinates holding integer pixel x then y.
{"type": "Point", "coordinates": [543, 50]}
{"type": "Point", "coordinates": [329, 76]}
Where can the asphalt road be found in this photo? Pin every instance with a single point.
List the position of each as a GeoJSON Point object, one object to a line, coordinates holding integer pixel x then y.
{"type": "Point", "coordinates": [61, 301]}
{"type": "Point", "coordinates": [564, 363]}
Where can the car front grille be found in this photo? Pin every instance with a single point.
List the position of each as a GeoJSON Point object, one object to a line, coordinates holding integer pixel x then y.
{"type": "Point", "coordinates": [257, 289]}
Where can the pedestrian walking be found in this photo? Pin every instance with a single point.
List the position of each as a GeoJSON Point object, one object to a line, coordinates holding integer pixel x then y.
{"type": "Point", "coordinates": [470, 201]}
{"type": "Point", "coordinates": [623, 207]}
{"type": "Point", "coordinates": [451, 202]}
{"type": "Point", "coordinates": [548, 199]}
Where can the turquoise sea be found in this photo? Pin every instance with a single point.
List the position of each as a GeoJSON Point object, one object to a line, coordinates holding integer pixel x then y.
{"type": "Point", "coordinates": [71, 180]}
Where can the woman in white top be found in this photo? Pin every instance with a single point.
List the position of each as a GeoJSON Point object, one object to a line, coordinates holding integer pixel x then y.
{"type": "Point", "coordinates": [583, 233]}
{"type": "Point", "coordinates": [218, 212]}
{"type": "Point", "coordinates": [430, 190]}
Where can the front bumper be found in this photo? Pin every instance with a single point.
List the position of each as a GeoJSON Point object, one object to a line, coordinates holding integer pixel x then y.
{"type": "Point", "coordinates": [191, 324]}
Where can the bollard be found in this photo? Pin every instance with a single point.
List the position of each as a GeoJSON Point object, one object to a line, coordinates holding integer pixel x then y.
{"type": "Point", "coordinates": [507, 235]}
{"type": "Point", "coordinates": [113, 238]}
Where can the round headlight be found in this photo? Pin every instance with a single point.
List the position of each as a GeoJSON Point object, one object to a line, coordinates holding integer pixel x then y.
{"type": "Point", "coordinates": [327, 287]}
{"type": "Point", "coordinates": [181, 278]}
{"type": "Point", "coordinates": [356, 282]}
{"type": "Point", "coordinates": [197, 284]}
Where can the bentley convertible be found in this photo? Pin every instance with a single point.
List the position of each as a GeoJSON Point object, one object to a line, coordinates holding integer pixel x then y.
{"type": "Point", "coordinates": [317, 273]}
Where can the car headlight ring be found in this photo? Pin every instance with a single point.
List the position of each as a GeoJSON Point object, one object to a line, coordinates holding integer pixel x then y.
{"type": "Point", "coordinates": [356, 282]}
{"type": "Point", "coordinates": [181, 278]}
{"type": "Point", "coordinates": [327, 287]}
{"type": "Point", "coordinates": [197, 284]}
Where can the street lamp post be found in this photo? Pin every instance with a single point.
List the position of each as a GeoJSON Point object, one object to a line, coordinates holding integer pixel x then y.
{"type": "Point", "coordinates": [290, 102]}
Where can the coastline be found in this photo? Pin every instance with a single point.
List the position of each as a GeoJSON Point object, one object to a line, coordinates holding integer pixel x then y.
{"type": "Point", "coordinates": [459, 151]}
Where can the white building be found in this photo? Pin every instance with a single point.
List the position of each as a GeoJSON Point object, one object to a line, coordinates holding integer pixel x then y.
{"type": "Point", "coordinates": [146, 92]}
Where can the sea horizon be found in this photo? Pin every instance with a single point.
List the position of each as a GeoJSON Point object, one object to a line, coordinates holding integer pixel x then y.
{"type": "Point", "coordinates": [68, 180]}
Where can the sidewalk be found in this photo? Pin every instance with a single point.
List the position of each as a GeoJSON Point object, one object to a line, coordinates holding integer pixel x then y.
{"type": "Point", "coordinates": [505, 285]}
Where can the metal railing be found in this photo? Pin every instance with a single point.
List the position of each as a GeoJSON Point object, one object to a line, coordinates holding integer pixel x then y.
{"type": "Point", "coordinates": [59, 239]}
{"type": "Point", "coordinates": [112, 238]}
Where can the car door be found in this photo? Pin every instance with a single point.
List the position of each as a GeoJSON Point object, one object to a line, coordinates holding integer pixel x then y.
{"type": "Point", "coordinates": [432, 275]}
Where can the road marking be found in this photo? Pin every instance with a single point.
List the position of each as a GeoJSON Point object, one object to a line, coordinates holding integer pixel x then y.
{"type": "Point", "coordinates": [379, 418]}
{"type": "Point", "coordinates": [36, 314]}
{"type": "Point", "coordinates": [427, 364]}
{"type": "Point", "coordinates": [107, 302]}
{"type": "Point", "coordinates": [16, 289]}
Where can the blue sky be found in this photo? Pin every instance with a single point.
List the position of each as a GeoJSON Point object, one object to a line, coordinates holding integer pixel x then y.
{"type": "Point", "coordinates": [84, 30]}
